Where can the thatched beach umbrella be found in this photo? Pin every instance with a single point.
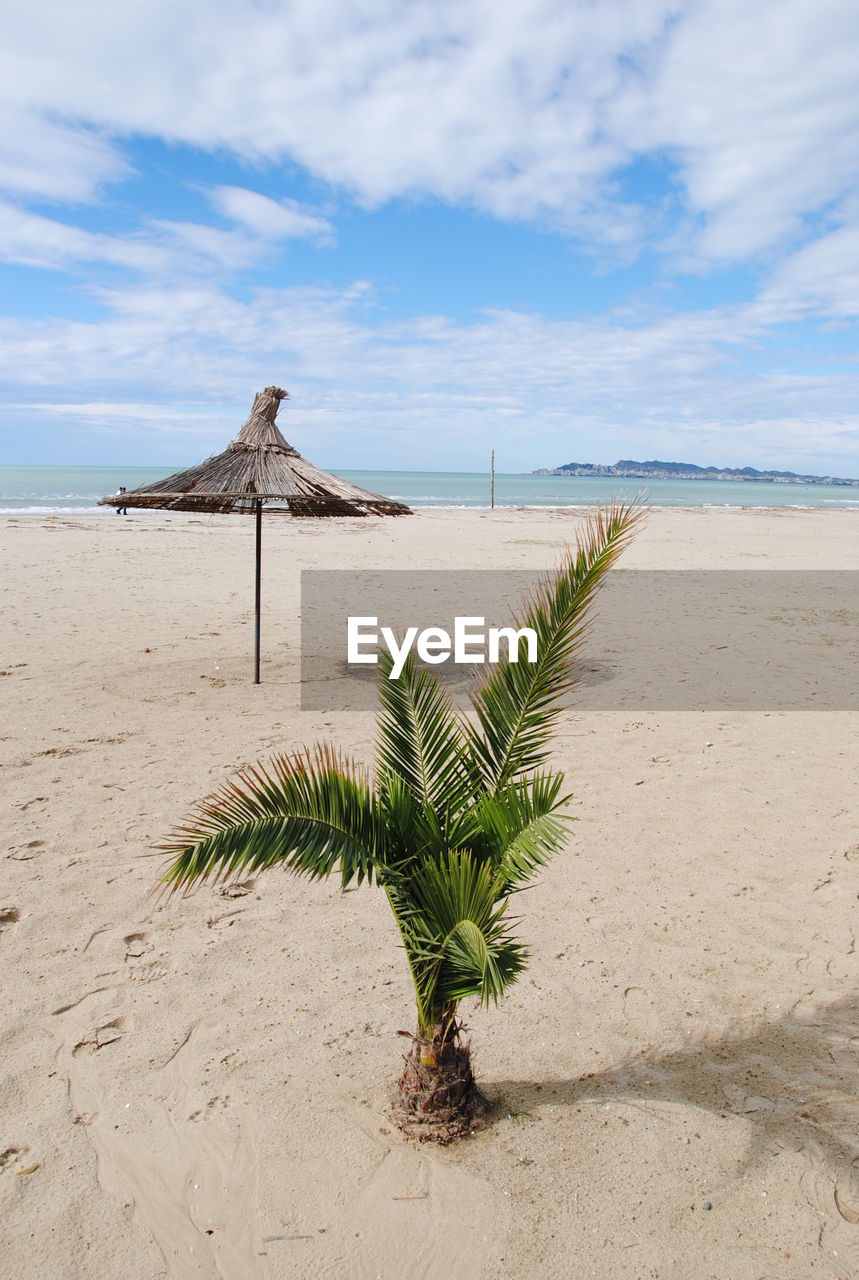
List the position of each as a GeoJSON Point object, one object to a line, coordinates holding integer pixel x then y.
{"type": "Point", "coordinates": [259, 469]}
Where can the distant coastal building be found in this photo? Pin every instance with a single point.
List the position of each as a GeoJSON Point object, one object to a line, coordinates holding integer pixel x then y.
{"type": "Point", "coordinates": [630, 470]}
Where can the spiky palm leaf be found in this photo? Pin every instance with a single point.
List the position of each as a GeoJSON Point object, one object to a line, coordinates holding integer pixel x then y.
{"type": "Point", "coordinates": [518, 702]}
{"type": "Point", "coordinates": [421, 740]}
{"type": "Point", "coordinates": [522, 827]}
{"type": "Point", "coordinates": [309, 813]}
{"type": "Point", "coordinates": [454, 927]}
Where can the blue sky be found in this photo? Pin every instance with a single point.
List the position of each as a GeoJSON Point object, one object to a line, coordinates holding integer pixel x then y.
{"type": "Point", "coordinates": [559, 230]}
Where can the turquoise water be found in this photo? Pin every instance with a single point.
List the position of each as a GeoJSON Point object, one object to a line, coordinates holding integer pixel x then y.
{"type": "Point", "coordinates": [70, 490]}
{"type": "Point", "coordinates": [452, 489]}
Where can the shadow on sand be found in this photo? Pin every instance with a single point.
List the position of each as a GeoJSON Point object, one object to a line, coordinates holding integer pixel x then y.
{"type": "Point", "coordinates": [794, 1080]}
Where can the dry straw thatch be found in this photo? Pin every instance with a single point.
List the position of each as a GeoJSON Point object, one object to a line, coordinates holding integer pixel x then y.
{"type": "Point", "coordinates": [259, 468]}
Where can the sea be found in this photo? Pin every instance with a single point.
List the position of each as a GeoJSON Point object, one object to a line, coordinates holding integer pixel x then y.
{"type": "Point", "coordinates": [76, 490]}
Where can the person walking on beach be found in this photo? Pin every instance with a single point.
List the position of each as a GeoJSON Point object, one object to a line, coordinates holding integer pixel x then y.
{"type": "Point", "coordinates": [121, 511]}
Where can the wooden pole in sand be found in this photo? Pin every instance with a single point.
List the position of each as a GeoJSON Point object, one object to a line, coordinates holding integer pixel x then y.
{"type": "Point", "coordinates": [492, 482]}
{"type": "Point", "coordinates": [258, 583]}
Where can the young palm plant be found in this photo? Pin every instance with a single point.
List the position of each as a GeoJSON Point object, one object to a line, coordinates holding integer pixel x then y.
{"type": "Point", "coordinates": [460, 815]}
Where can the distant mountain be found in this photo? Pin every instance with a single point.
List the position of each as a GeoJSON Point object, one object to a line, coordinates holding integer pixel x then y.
{"type": "Point", "coordinates": [656, 470]}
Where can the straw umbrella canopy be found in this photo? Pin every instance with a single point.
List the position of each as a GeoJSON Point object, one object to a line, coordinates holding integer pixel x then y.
{"type": "Point", "coordinates": [259, 469]}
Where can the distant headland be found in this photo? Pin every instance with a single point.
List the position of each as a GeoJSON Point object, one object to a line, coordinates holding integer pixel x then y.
{"type": "Point", "coordinates": [656, 470]}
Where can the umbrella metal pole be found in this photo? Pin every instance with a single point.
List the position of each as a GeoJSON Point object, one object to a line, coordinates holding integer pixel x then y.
{"type": "Point", "coordinates": [257, 588]}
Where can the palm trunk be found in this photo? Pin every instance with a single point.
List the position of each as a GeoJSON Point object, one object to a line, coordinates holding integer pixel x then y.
{"type": "Point", "coordinates": [436, 1096]}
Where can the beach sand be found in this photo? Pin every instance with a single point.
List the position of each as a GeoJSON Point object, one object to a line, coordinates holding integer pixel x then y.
{"type": "Point", "coordinates": [197, 1087]}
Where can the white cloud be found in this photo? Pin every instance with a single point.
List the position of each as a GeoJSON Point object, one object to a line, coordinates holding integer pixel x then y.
{"type": "Point", "coordinates": [51, 160]}
{"type": "Point", "coordinates": [757, 105]}
{"type": "Point", "coordinates": [370, 391]}
{"type": "Point", "coordinates": [821, 279]}
{"type": "Point", "coordinates": [169, 418]}
{"type": "Point", "coordinates": [525, 110]}
{"type": "Point", "coordinates": [159, 247]}
{"type": "Point", "coordinates": [33, 240]}
{"type": "Point", "coordinates": [270, 219]}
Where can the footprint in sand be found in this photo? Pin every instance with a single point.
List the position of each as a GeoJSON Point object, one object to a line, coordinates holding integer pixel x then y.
{"type": "Point", "coordinates": [847, 1196]}
{"type": "Point", "coordinates": [141, 965]}
{"type": "Point", "coordinates": [811, 966]}
{"type": "Point", "coordinates": [217, 1103]}
{"type": "Point", "coordinates": [225, 921]}
{"type": "Point", "coordinates": [24, 852]}
{"type": "Point", "coordinates": [137, 945]}
{"type": "Point", "coordinates": [151, 972]}
{"type": "Point", "coordinates": [27, 803]}
{"type": "Point", "coordinates": [8, 917]}
{"type": "Point", "coordinates": [636, 1002]}
{"type": "Point", "coordinates": [238, 890]}
{"type": "Point", "coordinates": [101, 1036]}
{"type": "Point", "coordinates": [11, 1156]}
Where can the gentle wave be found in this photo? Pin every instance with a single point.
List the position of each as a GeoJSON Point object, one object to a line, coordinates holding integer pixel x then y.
{"type": "Point", "coordinates": [55, 511]}
{"type": "Point", "coordinates": [52, 497]}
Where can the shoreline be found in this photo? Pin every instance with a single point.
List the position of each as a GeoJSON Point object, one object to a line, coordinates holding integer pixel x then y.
{"type": "Point", "coordinates": [97, 512]}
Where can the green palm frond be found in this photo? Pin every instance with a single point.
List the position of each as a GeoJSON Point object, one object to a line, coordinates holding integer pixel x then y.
{"type": "Point", "coordinates": [453, 887]}
{"type": "Point", "coordinates": [421, 740]}
{"type": "Point", "coordinates": [456, 934]}
{"type": "Point", "coordinates": [307, 813]}
{"type": "Point", "coordinates": [414, 831]}
{"type": "Point", "coordinates": [478, 962]}
{"type": "Point", "coordinates": [518, 702]}
{"type": "Point", "coordinates": [523, 828]}
{"type": "Point", "coordinates": [404, 819]}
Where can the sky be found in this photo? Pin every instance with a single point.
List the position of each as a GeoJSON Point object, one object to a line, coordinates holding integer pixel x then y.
{"type": "Point", "coordinates": [568, 230]}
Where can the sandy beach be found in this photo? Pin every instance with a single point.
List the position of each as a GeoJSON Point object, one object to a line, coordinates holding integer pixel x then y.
{"type": "Point", "coordinates": [198, 1086]}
